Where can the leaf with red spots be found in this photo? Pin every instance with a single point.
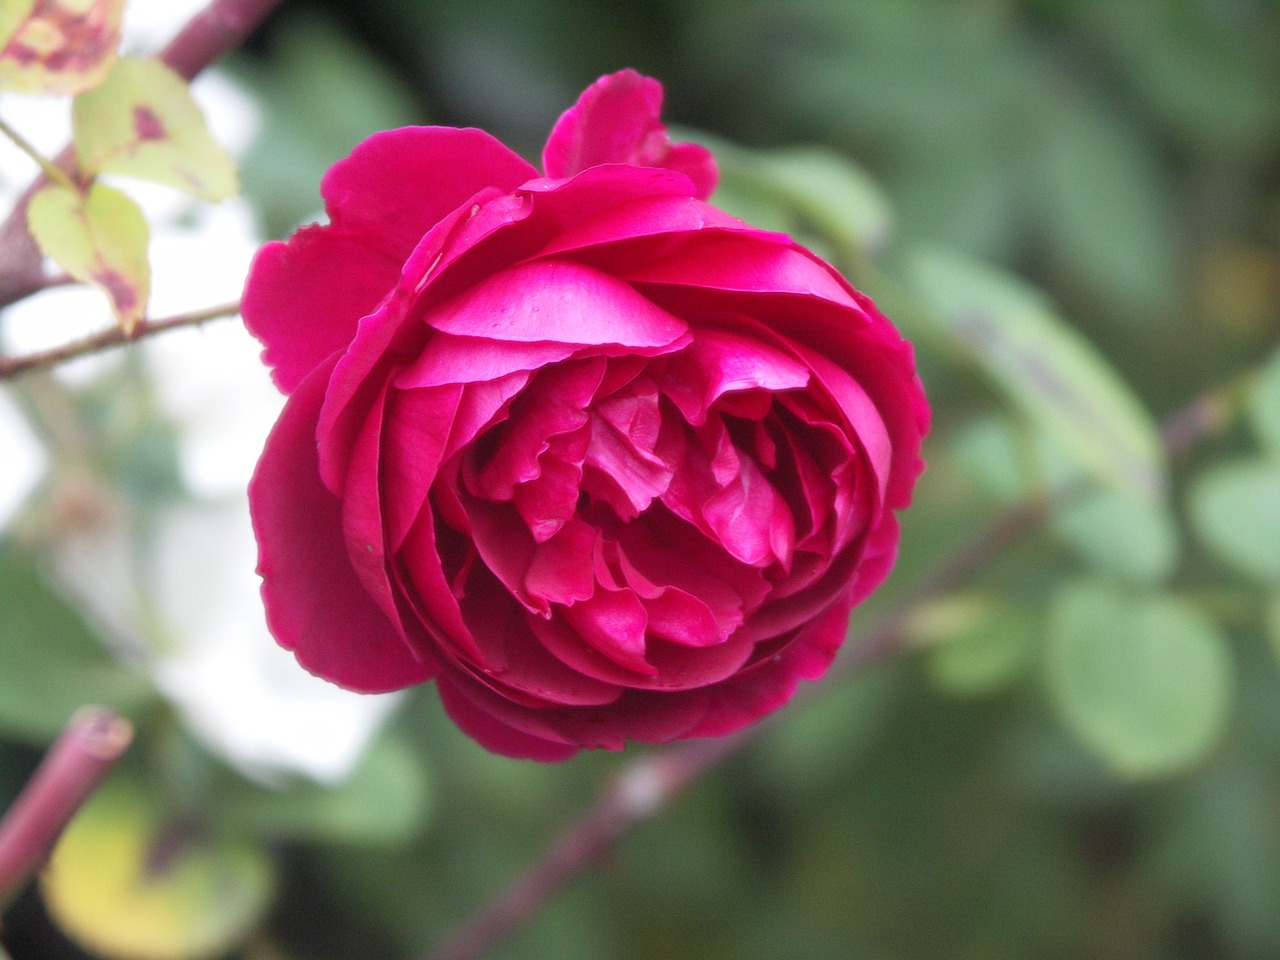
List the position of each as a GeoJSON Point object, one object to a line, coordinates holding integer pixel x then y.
{"type": "Point", "coordinates": [99, 237]}
{"type": "Point", "coordinates": [142, 122]}
{"type": "Point", "coordinates": [57, 46]}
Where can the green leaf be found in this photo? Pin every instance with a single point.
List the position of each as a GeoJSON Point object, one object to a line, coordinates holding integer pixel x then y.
{"type": "Point", "coordinates": [1008, 463]}
{"type": "Point", "coordinates": [1235, 508]}
{"type": "Point", "coordinates": [58, 46]}
{"type": "Point", "coordinates": [1132, 537]}
{"type": "Point", "coordinates": [1273, 623]}
{"type": "Point", "coordinates": [142, 122]}
{"type": "Point", "coordinates": [1049, 371]}
{"type": "Point", "coordinates": [383, 801]}
{"type": "Point", "coordinates": [1264, 405]}
{"type": "Point", "coordinates": [977, 648]}
{"type": "Point", "coordinates": [50, 663]}
{"type": "Point", "coordinates": [1145, 681]}
{"type": "Point", "coordinates": [802, 189]}
{"type": "Point", "coordinates": [128, 885]}
{"type": "Point", "coordinates": [100, 238]}
{"type": "Point", "coordinates": [1106, 212]}
{"type": "Point", "coordinates": [829, 192]}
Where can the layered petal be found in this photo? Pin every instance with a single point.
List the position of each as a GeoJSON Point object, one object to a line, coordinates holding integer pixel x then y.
{"type": "Point", "coordinates": [616, 121]}
{"type": "Point", "coordinates": [398, 184]}
{"type": "Point", "coordinates": [304, 298]}
{"type": "Point", "coordinates": [316, 605]}
{"type": "Point", "coordinates": [605, 461]}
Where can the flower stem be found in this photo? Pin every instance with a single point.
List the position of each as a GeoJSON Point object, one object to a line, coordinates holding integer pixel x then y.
{"type": "Point", "coordinates": [114, 336]}
{"type": "Point", "coordinates": [94, 739]}
{"type": "Point", "coordinates": [47, 166]}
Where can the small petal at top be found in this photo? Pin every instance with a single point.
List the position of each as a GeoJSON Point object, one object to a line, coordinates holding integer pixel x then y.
{"type": "Point", "coordinates": [616, 120]}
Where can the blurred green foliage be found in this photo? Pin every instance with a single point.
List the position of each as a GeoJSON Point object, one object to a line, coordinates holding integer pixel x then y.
{"type": "Point", "coordinates": [1074, 207]}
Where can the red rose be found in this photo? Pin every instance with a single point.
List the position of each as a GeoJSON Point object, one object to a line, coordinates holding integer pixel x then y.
{"type": "Point", "coordinates": [604, 461]}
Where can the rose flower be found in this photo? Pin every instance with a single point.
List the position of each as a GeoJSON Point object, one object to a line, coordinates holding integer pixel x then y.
{"type": "Point", "coordinates": [605, 462]}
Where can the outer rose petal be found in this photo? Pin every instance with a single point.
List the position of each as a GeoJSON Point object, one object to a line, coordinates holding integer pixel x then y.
{"type": "Point", "coordinates": [616, 121]}
{"type": "Point", "coordinates": [304, 298]}
{"type": "Point", "coordinates": [316, 605]}
{"type": "Point", "coordinates": [746, 698]}
{"type": "Point", "coordinates": [494, 735]}
{"type": "Point", "coordinates": [398, 184]}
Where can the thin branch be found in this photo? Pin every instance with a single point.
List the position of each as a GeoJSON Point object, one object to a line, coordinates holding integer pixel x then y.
{"type": "Point", "coordinates": [647, 785]}
{"type": "Point", "coordinates": [89, 747]}
{"type": "Point", "coordinates": [643, 789]}
{"type": "Point", "coordinates": [213, 32]}
{"type": "Point", "coordinates": [47, 166]}
{"type": "Point", "coordinates": [105, 339]}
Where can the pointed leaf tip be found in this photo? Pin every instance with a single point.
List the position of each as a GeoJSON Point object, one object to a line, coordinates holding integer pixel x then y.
{"type": "Point", "coordinates": [98, 237]}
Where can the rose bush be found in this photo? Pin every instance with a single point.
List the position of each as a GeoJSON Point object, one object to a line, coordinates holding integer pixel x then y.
{"type": "Point", "coordinates": [602, 460]}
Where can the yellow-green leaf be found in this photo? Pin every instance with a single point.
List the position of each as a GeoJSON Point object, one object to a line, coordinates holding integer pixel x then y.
{"type": "Point", "coordinates": [58, 46]}
{"type": "Point", "coordinates": [1054, 376]}
{"type": "Point", "coordinates": [142, 122]}
{"type": "Point", "coordinates": [129, 886]}
{"type": "Point", "coordinates": [12, 14]}
{"type": "Point", "coordinates": [98, 237]}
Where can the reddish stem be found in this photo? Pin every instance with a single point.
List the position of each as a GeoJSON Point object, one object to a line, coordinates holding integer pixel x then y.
{"type": "Point", "coordinates": [88, 748]}
{"type": "Point", "coordinates": [107, 338]}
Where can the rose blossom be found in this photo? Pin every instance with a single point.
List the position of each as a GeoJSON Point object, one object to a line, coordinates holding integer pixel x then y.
{"type": "Point", "coordinates": [602, 460]}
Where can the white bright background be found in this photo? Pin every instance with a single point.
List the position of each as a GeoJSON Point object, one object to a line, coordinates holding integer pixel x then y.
{"type": "Point", "coordinates": [192, 609]}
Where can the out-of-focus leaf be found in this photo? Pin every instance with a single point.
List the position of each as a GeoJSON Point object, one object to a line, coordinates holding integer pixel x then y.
{"type": "Point", "coordinates": [1264, 405]}
{"type": "Point", "coordinates": [1054, 376]}
{"type": "Point", "coordinates": [1209, 72]}
{"type": "Point", "coordinates": [797, 755]}
{"type": "Point", "coordinates": [321, 94]}
{"type": "Point", "coordinates": [99, 238]}
{"type": "Point", "coordinates": [1106, 212]}
{"type": "Point", "coordinates": [50, 663]}
{"type": "Point", "coordinates": [141, 121]}
{"type": "Point", "coordinates": [383, 801]}
{"type": "Point", "coordinates": [12, 15]}
{"type": "Point", "coordinates": [130, 886]}
{"type": "Point", "coordinates": [1273, 623]}
{"type": "Point", "coordinates": [58, 46]}
{"type": "Point", "coordinates": [1145, 681]}
{"type": "Point", "coordinates": [819, 188]}
{"type": "Point", "coordinates": [1009, 464]}
{"type": "Point", "coordinates": [976, 648]}
{"type": "Point", "coordinates": [1117, 533]}
{"type": "Point", "coordinates": [1235, 508]}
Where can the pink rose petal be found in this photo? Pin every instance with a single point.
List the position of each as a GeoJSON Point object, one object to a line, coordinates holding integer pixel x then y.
{"type": "Point", "coordinates": [316, 605]}
{"type": "Point", "coordinates": [398, 184]}
{"type": "Point", "coordinates": [616, 121]}
{"type": "Point", "coordinates": [304, 298]}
